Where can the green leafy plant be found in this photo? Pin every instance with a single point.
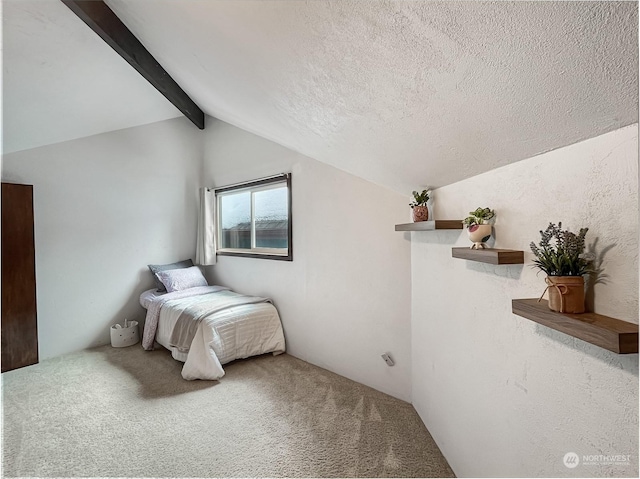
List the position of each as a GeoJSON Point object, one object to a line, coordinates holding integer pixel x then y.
{"type": "Point", "coordinates": [479, 217]}
{"type": "Point", "coordinates": [420, 199]}
{"type": "Point", "coordinates": [561, 252]}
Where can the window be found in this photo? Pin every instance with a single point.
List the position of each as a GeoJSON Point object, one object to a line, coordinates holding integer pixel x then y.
{"type": "Point", "coordinates": [254, 219]}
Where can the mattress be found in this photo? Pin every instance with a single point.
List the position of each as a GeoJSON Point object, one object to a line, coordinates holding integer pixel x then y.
{"type": "Point", "coordinates": [235, 332]}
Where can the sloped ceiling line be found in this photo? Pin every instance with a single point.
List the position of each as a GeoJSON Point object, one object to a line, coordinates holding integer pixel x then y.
{"type": "Point", "coordinates": [105, 23]}
{"type": "Point", "coordinates": [403, 93]}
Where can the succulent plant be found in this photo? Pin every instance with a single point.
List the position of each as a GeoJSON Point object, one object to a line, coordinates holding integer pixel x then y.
{"type": "Point", "coordinates": [420, 199]}
{"type": "Point", "coordinates": [479, 217]}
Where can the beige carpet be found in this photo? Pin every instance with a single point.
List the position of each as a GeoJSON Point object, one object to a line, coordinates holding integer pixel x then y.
{"type": "Point", "coordinates": [127, 412]}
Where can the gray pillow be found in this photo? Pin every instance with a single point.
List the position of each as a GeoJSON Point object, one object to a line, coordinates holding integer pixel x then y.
{"type": "Point", "coordinates": [154, 268]}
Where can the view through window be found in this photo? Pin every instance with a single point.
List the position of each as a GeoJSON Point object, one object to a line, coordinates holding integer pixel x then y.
{"type": "Point", "coordinates": [254, 219]}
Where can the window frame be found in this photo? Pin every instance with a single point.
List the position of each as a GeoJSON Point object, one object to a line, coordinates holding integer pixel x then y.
{"type": "Point", "coordinates": [254, 186]}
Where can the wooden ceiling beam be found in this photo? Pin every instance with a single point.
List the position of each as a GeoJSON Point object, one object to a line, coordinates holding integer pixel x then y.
{"type": "Point", "coordinates": [102, 20]}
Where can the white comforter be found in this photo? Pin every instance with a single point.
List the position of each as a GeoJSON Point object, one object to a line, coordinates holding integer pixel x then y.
{"type": "Point", "coordinates": [229, 332]}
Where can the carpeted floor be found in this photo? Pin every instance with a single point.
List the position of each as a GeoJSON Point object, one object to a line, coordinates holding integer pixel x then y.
{"type": "Point", "coordinates": [127, 412]}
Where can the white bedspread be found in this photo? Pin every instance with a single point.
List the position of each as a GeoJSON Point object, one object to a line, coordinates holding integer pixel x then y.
{"type": "Point", "coordinates": [235, 332]}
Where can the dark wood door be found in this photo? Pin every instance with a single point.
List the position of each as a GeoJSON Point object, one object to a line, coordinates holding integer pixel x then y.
{"type": "Point", "coordinates": [19, 320]}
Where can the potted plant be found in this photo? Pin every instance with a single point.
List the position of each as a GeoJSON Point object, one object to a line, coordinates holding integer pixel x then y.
{"type": "Point", "coordinates": [478, 227]}
{"type": "Point", "coordinates": [419, 206]}
{"type": "Point", "coordinates": [561, 255]}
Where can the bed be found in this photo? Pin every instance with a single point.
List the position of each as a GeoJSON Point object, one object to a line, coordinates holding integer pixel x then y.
{"type": "Point", "coordinates": [208, 326]}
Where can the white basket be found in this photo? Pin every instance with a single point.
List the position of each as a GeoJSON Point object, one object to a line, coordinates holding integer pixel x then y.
{"type": "Point", "coordinates": [121, 337]}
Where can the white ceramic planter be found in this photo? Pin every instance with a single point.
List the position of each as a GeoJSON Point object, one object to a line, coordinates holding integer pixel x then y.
{"type": "Point", "coordinates": [478, 234]}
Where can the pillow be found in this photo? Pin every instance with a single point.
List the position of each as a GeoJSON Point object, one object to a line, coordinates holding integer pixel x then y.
{"type": "Point", "coordinates": [155, 268]}
{"type": "Point", "coordinates": [179, 279]}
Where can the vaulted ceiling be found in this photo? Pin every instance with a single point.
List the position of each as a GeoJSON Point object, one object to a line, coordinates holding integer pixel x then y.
{"type": "Point", "coordinates": [61, 81]}
{"type": "Point", "coordinates": [402, 93]}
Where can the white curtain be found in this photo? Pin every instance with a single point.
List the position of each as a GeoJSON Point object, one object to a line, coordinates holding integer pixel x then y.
{"type": "Point", "coordinates": [206, 247]}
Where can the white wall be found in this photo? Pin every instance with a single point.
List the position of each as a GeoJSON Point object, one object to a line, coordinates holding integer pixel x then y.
{"type": "Point", "coordinates": [345, 298]}
{"type": "Point", "coordinates": [501, 395]}
{"type": "Point", "coordinates": [105, 207]}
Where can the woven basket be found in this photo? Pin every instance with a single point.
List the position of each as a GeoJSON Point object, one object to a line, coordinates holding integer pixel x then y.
{"type": "Point", "coordinates": [121, 337]}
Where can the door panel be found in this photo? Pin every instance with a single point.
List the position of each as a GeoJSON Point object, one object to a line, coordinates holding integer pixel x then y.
{"type": "Point", "coordinates": [19, 317]}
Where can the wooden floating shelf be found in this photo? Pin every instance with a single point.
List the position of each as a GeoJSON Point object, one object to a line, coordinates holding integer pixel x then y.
{"type": "Point", "coordinates": [489, 255]}
{"type": "Point", "coordinates": [431, 225]}
{"type": "Point", "coordinates": [609, 333]}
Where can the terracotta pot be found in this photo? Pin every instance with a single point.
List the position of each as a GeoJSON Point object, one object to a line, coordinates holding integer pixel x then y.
{"type": "Point", "coordinates": [420, 213]}
{"type": "Point", "coordinates": [479, 234]}
{"type": "Point", "coordinates": [566, 293]}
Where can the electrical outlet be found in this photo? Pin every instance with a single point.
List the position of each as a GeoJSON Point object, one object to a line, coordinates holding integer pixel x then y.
{"type": "Point", "coordinates": [387, 359]}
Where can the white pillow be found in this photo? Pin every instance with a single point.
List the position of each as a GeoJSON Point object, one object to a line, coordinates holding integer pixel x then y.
{"type": "Point", "coordinates": [179, 279]}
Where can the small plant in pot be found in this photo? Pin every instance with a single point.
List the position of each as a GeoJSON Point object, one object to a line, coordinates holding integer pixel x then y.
{"type": "Point", "coordinates": [478, 227]}
{"type": "Point", "coordinates": [419, 206]}
{"type": "Point", "coordinates": [561, 255]}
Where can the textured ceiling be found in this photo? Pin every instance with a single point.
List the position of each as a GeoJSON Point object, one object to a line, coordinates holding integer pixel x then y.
{"type": "Point", "coordinates": [402, 93]}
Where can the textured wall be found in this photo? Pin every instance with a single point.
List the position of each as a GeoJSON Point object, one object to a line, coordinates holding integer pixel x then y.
{"type": "Point", "coordinates": [345, 298]}
{"type": "Point", "coordinates": [105, 207]}
{"type": "Point", "coordinates": [501, 395]}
